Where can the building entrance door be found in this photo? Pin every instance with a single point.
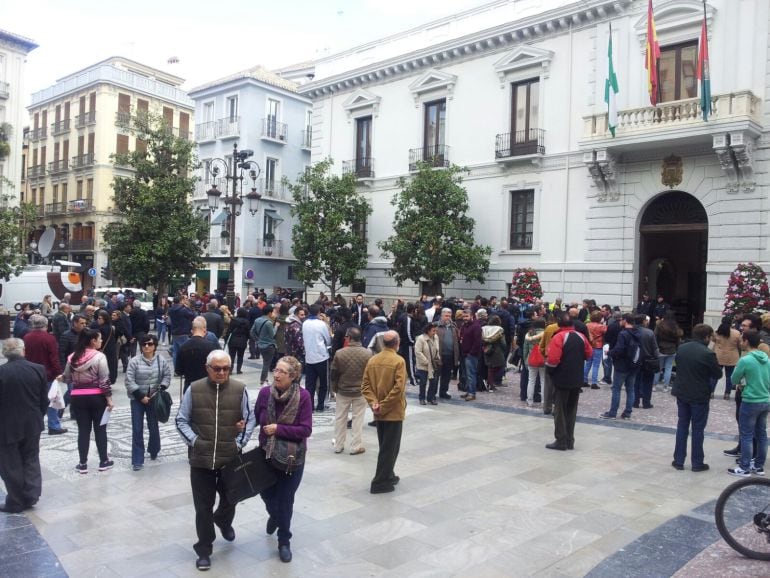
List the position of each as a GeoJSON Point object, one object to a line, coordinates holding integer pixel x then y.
{"type": "Point", "coordinates": [673, 248]}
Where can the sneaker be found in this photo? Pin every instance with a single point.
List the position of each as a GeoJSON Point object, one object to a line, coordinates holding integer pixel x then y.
{"type": "Point", "coordinates": [607, 415]}
{"type": "Point", "coordinates": [733, 453]}
{"type": "Point", "coordinates": [758, 471]}
{"type": "Point", "coordinates": [737, 471]}
{"type": "Point", "coordinates": [106, 465]}
{"type": "Point", "coordinates": [625, 415]}
{"type": "Point", "coordinates": [137, 467]}
{"type": "Point", "coordinates": [81, 468]}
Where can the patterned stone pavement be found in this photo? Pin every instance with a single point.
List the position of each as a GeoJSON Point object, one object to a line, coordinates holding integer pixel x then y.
{"type": "Point", "coordinates": [478, 494]}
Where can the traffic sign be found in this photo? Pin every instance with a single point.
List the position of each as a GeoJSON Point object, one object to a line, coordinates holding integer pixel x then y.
{"type": "Point", "coordinates": [92, 272]}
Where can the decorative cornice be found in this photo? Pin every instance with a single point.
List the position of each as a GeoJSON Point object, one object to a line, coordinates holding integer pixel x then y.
{"type": "Point", "coordinates": [362, 99]}
{"type": "Point", "coordinates": [674, 15]}
{"type": "Point", "coordinates": [431, 81]}
{"type": "Point", "coordinates": [490, 40]}
{"type": "Point", "coordinates": [523, 57]}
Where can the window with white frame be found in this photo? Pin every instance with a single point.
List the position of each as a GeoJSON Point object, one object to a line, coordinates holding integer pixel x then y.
{"type": "Point", "coordinates": [273, 118]}
{"type": "Point", "coordinates": [208, 111]}
{"type": "Point", "coordinates": [271, 174]}
{"type": "Point", "coordinates": [232, 107]}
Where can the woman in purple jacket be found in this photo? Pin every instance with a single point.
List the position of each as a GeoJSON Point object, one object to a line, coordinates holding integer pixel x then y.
{"type": "Point", "coordinates": [284, 411]}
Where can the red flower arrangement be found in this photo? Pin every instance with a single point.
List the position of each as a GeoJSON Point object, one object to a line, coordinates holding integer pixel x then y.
{"type": "Point", "coordinates": [525, 285]}
{"type": "Point", "coordinates": [747, 290]}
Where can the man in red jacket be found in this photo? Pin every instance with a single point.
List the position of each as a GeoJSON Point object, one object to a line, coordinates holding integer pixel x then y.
{"type": "Point", "coordinates": [41, 347]}
{"type": "Point", "coordinates": [567, 353]}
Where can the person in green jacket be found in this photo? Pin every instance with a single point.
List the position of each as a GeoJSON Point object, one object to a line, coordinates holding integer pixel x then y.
{"type": "Point", "coordinates": [753, 370]}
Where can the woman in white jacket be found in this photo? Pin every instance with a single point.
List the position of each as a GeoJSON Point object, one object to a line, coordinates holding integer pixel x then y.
{"type": "Point", "coordinates": [428, 363]}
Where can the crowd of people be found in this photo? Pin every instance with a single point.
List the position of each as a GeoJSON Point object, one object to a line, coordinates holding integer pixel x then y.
{"type": "Point", "coordinates": [365, 355]}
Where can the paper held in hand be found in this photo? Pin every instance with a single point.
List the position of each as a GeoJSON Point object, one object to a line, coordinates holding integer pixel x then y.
{"type": "Point", "coordinates": [106, 417]}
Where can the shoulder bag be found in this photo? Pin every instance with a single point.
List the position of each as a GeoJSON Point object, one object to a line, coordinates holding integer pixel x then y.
{"type": "Point", "coordinates": [162, 401]}
{"type": "Point", "coordinates": [288, 456]}
{"type": "Point", "coordinates": [246, 475]}
{"type": "Point", "coordinates": [536, 358]}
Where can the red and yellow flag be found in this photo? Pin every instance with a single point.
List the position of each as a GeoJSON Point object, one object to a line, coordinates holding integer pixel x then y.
{"type": "Point", "coordinates": [653, 58]}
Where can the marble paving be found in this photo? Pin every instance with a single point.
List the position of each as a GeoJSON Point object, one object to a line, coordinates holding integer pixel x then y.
{"type": "Point", "coordinates": [479, 494]}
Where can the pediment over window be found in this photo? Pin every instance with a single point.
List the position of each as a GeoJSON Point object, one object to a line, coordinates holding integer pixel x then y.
{"type": "Point", "coordinates": [523, 58]}
{"type": "Point", "coordinates": [433, 81]}
{"type": "Point", "coordinates": [676, 21]}
{"type": "Point", "coordinates": [362, 100]}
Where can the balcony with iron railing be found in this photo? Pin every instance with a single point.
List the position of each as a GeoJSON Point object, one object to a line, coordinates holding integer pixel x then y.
{"type": "Point", "coordinates": [41, 210]}
{"type": "Point", "coordinates": [83, 161]}
{"type": "Point", "coordinates": [273, 189]}
{"type": "Point", "coordinates": [221, 245]}
{"type": "Point", "coordinates": [61, 127]}
{"type": "Point", "coordinates": [307, 138]}
{"type": "Point", "coordinates": [80, 206]}
{"type": "Point", "coordinates": [81, 244]}
{"type": "Point", "coordinates": [362, 168]}
{"type": "Point", "coordinates": [676, 120]}
{"type": "Point", "coordinates": [270, 248]}
{"type": "Point", "coordinates": [37, 134]}
{"type": "Point", "coordinates": [274, 130]}
{"type": "Point", "coordinates": [123, 118]}
{"type": "Point", "coordinates": [5, 89]}
{"type": "Point", "coordinates": [202, 187]}
{"type": "Point", "coordinates": [36, 172]}
{"type": "Point", "coordinates": [434, 155]}
{"type": "Point", "coordinates": [206, 131]}
{"type": "Point", "coordinates": [57, 167]}
{"type": "Point", "coordinates": [520, 143]}
{"type": "Point", "coordinates": [52, 209]}
{"type": "Point", "coordinates": [85, 119]}
{"type": "Point", "coordinates": [229, 127]}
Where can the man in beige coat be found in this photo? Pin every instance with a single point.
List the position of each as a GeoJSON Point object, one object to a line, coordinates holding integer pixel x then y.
{"type": "Point", "coordinates": [384, 387]}
{"type": "Point", "coordinates": [346, 373]}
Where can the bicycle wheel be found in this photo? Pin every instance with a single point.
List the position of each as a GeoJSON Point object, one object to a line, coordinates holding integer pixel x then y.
{"type": "Point", "coordinates": [743, 517]}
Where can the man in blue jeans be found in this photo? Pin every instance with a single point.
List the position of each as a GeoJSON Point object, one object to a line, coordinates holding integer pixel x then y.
{"type": "Point", "coordinates": [318, 341]}
{"type": "Point", "coordinates": [696, 366]}
{"type": "Point", "coordinates": [470, 348]}
{"type": "Point", "coordinates": [626, 367]}
{"type": "Point", "coordinates": [754, 369]}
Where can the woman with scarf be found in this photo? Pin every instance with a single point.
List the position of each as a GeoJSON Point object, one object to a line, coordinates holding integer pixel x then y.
{"type": "Point", "coordinates": [89, 375]}
{"type": "Point", "coordinates": [146, 375]}
{"type": "Point", "coordinates": [284, 412]}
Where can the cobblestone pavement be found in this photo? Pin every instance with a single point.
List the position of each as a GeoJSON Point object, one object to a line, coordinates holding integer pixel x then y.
{"type": "Point", "coordinates": [479, 494]}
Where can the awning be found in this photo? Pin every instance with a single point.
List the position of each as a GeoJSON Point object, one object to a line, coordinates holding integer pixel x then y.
{"type": "Point", "coordinates": [274, 216]}
{"type": "Point", "coordinates": [219, 218]}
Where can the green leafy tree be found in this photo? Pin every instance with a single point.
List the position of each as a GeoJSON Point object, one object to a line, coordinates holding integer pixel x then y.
{"type": "Point", "coordinates": [432, 234]}
{"type": "Point", "coordinates": [15, 224]}
{"type": "Point", "coordinates": [160, 236]}
{"type": "Point", "coordinates": [328, 241]}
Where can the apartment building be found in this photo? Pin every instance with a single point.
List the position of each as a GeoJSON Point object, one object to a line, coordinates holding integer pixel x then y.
{"type": "Point", "coordinates": [74, 128]}
{"type": "Point", "coordinates": [13, 58]}
{"type": "Point", "coordinates": [261, 112]}
{"type": "Point", "coordinates": [514, 91]}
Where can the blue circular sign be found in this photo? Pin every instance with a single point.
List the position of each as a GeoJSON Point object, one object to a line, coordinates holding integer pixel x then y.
{"type": "Point", "coordinates": [92, 272]}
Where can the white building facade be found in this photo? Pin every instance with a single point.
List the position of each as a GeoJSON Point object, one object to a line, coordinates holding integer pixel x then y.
{"type": "Point", "coordinates": [13, 117]}
{"type": "Point", "coordinates": [261, 112]}
{"type": "Point", "coordinates": [514, 91]}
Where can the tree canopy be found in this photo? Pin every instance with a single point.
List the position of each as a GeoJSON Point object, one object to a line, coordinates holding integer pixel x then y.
{"type": "Point", "coordinates": [15, 223]}
{"type": "Point", "coordinates": [160, 236]}
{"type": "Point", "coordinates": [433, 237]}
{"type": "Point", "coordinates": [329, 242]}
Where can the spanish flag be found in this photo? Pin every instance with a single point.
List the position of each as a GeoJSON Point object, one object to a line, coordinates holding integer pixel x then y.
{"type": "Point", "coordinates": [653, 58]}
{"type": "Point", "coordinates": [703, 69]}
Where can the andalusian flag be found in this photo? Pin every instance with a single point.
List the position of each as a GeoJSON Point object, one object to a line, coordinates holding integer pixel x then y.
{"type": "Point", "coordinates": [653, 58]}
{"type": "Point", "coordinates": [611, 90]}
{"type": "Point", "coordinates": [703, 69]}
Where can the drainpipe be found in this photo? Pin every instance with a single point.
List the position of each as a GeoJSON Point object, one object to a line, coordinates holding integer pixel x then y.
{"type": "Point", "coordinates": [566, 173]}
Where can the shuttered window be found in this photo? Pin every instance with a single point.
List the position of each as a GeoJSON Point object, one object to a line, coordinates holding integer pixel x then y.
{"type": "Point", "coordinates": [121, 147]}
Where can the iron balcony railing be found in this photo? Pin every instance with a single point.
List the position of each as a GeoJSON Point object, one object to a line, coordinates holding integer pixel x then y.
{"type": "Point", "coordinates": [56, 167]}
{"type": "Point", "coordinates": [85, 119]}
{"type": "Point", "coordinates": [82, 161]}
{"type": "Point", "coordinates": [273, 189]}
{"type": "Point", "coordinates": [229, 127]}
{"type": "Point", "coordinates": [56, 209]}
{"type": "Point", "coordinates": [269, 248]}
{"type": "Point", "coordinates": [80, 206]}
{"type": "Point", "coordinates": [273, 129]}
{"type": "Point", "coordinates": [5, 89]}
{"type": "Point", "coordinates": [307, 138]}
{"type": "Point", "coordinates": [36, 171]}
{"type": "Point", "coordinates": [123, 118]}
{"type": "Point", "coordinates": [434, 155]}
{"type": "Point", "coordinates": [206, 131]}
{"type": "Point", "coordinates": [520, 143]}
{"type": "Point", "coordinates": [221, 245]}
{"type": "Point", "coordinates": [362, 167]}
{"type": "Point", "coordinates": [40, 210]}
{"type": "Point", "coordinates": [81, 244]}
{"type": "Point", "coordinates": [61, 127]}
{"type": "Point", "coordinates": [38, 133]}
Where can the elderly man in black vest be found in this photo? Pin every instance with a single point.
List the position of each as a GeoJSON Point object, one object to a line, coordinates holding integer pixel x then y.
{"type": "Point", "coordinates": [215, 421]}
{"type": "Point", "coordinates": [23, 403]}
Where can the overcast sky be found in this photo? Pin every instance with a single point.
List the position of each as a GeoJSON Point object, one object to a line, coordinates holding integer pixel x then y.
{"type": "Point", "coordinates": [210, 39]}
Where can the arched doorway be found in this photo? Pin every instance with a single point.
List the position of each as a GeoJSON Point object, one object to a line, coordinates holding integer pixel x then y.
{"type": "Point", "coordinates": [673, 248]}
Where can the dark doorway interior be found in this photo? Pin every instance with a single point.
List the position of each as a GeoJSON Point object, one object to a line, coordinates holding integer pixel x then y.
{"type": "Point", "coordinates": [673, 250]}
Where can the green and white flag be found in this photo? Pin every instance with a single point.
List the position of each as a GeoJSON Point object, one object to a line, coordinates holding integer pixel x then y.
{"type": "Point", "coordinates": [611, 90]}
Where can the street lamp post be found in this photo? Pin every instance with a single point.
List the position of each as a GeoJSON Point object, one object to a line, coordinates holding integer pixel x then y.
{"type": "Point", "coordinates": [233, 201]}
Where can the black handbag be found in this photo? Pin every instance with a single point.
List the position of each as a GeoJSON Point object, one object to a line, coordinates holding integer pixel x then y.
{"type": "Point", "coordinates": [246, 475]}
{"type": "Point", "coordinates": [162, 403]}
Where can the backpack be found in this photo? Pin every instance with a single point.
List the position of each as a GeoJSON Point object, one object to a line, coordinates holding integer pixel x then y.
{"type": "Point", "coordinates": [634, 351]}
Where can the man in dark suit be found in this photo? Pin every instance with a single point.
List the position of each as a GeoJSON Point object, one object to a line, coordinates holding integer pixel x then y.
{"type": "Point", "coordinates": [214, 321]}
{"type": "Point", "coordinates": [23, 403]}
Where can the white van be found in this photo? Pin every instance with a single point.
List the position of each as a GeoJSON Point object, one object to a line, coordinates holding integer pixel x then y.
{"type": "Point", "coordinates": [37, 281]}
{"type": "Point", "coordinates": [140, 295]}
